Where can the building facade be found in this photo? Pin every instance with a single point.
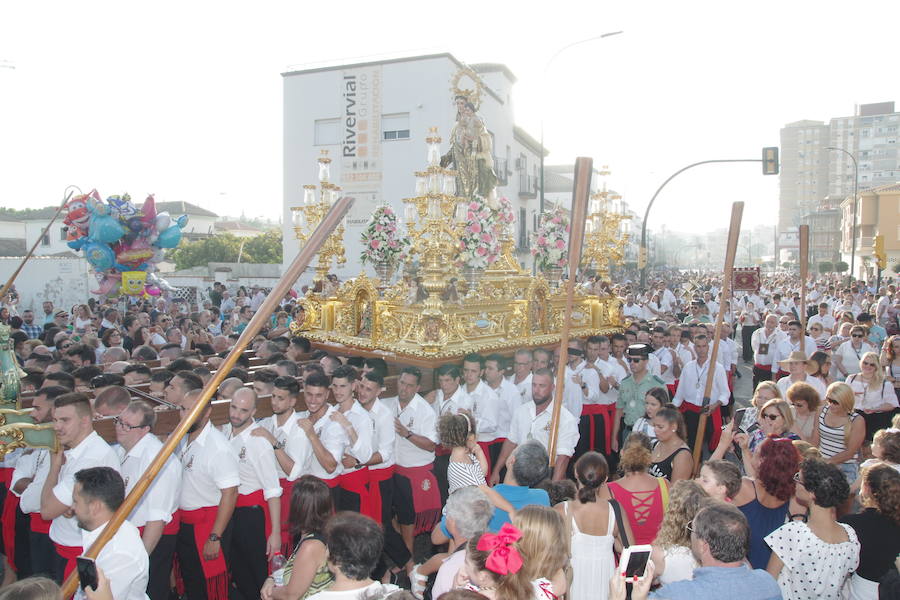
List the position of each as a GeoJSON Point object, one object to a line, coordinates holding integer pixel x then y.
{"type": "Point", "coordinates": [878, 213]}
{"type": "Point", "coordinates": [804, 170]}
{"type": "Point", "coordinates": [373, 119]}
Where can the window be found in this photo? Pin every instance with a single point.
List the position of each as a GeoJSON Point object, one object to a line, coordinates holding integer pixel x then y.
{"type": "Point", "coordinates": [45, 239]}
{"type": "Point", "coordinates": [395, 127]}
{"type": "Point", "coordinates": [327, 132]}
{"type": "Point", "coordinates": [62, 234]}
{"type": "Point", "coordinates": [523, 228]}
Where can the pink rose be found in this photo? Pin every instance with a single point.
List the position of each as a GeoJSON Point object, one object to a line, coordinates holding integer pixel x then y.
{"type": "Point", "coordinates": [560, 244]}
{"type": "Point", "coordinates": [476, 228]}
{"type": "Point", "coordinates": [480, 251]}
{"type": "Point", "coordinates": [486, 237]}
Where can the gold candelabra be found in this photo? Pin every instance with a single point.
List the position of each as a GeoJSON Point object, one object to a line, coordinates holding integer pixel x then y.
{"type": "Point", "coordinates": [308, 216]}
{"type": "Point", "coordinates": [605, 238]}
{"type": "Point", "coordinates": [433, 221]}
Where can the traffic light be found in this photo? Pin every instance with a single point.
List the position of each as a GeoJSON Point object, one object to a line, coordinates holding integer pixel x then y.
{"type": "Point", "coordinates": [642, 258]}
{"type": "Point", "coordinates": [878, 251]}
{"type": "Point", "coordinates": [770, 160]}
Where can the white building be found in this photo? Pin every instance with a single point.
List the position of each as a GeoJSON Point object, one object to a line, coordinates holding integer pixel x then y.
{"type": "Point", "coordinates": [373, 119]}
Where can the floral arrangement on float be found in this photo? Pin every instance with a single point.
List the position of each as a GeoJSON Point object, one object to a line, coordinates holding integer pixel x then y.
{"type": "Point", "coordinates": [122, 243]}
{"type": "Point", "coordinates": [551, 240]}
{"type": "Point", "coordinates": [479, 243]}
{"type": "Point", "coordinates": [506, 215]}
{"type": "Point", "coordinates": [381, 240]}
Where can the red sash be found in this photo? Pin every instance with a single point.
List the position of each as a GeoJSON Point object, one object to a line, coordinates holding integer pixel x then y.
{"type": "Point", "coordinates": [781, 374]}
{"type": "Point", "coordinates": [672, 387]}
{"type": "Point", "coordinates": [486, 448]}
{"type": "Point", "coordinates": [287, 490]}
{"type": "Point", "coordinates": [716, 417]}
{"type": "Point", "coordinates": [257, 498]}
{"type": "Point", "coordinates": [376, 476]}
{"type": "Point", "coordinates": [332, 483]}
{"type": "Point", "coordinates": [426, 496]}
{"type": "Point", "coordinates": [763, 367]}
{"type": "Point", "coordinates": [69, 553]}
{"type": "Point", "coordinates": [8, 517]}
{"type": "Point", "coordinates": [357, 481]}
{"type": "Point", "coordinates": [608, 413]}
{"type": "Point", "coordinates": [39, 525]}
{"type": "Point", "coordinates": [214, 571]}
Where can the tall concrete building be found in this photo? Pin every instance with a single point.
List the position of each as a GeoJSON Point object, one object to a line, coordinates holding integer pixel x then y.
{"type": "Point", "coordinates": [804, 170]}
{"type": "Point", "coordinates": [872, 137]}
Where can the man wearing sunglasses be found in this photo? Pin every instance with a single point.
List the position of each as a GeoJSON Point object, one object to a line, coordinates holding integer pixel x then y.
{"type": "Point", "coordinates": [154, 516]}
{"type": "Point", "coordinates": [630, 405]}
{"type": "Point", "coordinates": [847, 356]}
{"type": "Point", "coordinates": [689, 398]}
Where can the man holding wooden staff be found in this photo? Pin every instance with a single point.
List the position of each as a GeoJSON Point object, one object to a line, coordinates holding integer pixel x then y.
{"type": "Point", "coordinates": [689, 396]}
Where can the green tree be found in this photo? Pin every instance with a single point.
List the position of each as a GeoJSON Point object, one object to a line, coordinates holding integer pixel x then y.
{"type": "Point", "coordinates": [895, 267]}
{"type": "Point", "coordinates": [826, 266]}
{"type": "Point", "coordinates": [260, 249]}
{"type": "Point", "coordinates": [841, 267]}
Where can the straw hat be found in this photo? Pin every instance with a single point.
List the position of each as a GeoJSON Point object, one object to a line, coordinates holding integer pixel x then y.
{"type": "Point", "coordinates": [796, 356]}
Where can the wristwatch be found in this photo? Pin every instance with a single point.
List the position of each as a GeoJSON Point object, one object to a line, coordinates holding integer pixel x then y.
{"type": "Point", "coordinates": [408, 434]}
{"type": "Point", "coordinates": [214, 537]}
{"type": "Point", "coordinates": [279, 445]}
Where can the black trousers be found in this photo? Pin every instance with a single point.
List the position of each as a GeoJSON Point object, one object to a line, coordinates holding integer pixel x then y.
{"type": "Point", "coordinates": [158, 584]}
{"type": "Point", "coordinates": [23, 553]}
{"type": "Point", "coordinates": [248, 549]}
{"type": "Point", "coordinates": [189, 560]}
{"type": "Point", "coordinates": [394, 548]}
{"type": "Point", "coordinates": [441, 462]}
{"type": "Point", "coordinates": [761, 375]}
{"type": "Point", "coordinates": [42, 554]}
{"type": "Point", "coordinates": [346, 500]}
{"type": "Point", "coordinates": [746, 334]}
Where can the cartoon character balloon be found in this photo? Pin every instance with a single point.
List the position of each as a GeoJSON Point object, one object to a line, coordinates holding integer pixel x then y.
{"type": "Point", "coordinates": [133, 282]}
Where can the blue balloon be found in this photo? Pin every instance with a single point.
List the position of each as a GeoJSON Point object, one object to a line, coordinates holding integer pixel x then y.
{"type": "Point", "coordinates": [169, 238]}
{"type": "Point", "coordinates": [106, 229]}
{"type": "Point", "coordinates": [99, 255]}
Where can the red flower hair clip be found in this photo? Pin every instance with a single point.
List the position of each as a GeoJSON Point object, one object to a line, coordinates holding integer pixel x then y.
{"type": "Point", "coordinates": [503, 558]}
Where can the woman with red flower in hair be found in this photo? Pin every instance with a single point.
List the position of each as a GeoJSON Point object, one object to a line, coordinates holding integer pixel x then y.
{"type": "Point", "coordinates": [767, 499]}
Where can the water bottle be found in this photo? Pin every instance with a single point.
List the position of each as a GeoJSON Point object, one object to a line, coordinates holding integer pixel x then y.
{"type": "Point", "coordinates": [276, 568]}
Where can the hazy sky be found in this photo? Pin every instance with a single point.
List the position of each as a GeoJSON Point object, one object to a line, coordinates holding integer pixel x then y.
{"type": "Point", "coordinates": [184, 99]}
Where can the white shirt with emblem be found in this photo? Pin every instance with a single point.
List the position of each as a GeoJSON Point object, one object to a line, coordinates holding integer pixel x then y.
{"type": "Point", "coordinates": [335, 440]}
{"type": "Point", "coordinates": [160, 501]}
{"type": "Point", "coordinates": [419, 417]}
{"type": "Point", "coordinates": [296, 444]}
{"type": "Point", "coordinates": [123, 560]}
{"type": "Point", "coordinates": [529, 425]}
{"type": "Point", "coordinates": [93, 451]}
{"type": "Point", "coordinates": [385, 439]}
{"type": "Point", "coordinates": [256, 462]}
{"type": "Point", "coordinates": [209, 466]}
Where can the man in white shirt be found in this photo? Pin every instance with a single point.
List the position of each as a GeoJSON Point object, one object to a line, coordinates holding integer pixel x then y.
{"type": "Point", "coordinates": [521, 377]}
{"type": "Point", "coordinates": [28, 482]}
{"type": "Point", "coordinates": [763, 343]}
{"type": "Point", "coordinates": [533, 422]}
{"type": "Point", "coordinates": [596, 422]}
{"type": "Point", "coordinates": [824, 318]}
{"type": "Point", "coordinates": [81, 448]}
{"type": "Point", "coordinates": [154, 516]}
{"type": "Point", "coordinates": [353, 491]}
{"type": "Point", "coordinates": [664, 356]}
{"type": "Point", "coordinates": [380, 467]}
{"type": "Point", "coordinates": [796, 341]}
{"type": "Point", "coordinates": [448, 399]}
{"type": "Point", "coordinates": [329, 439]}
{"type": "Point", "coordinates": [507, 398]}
{"type": "Point", "coordinates": [630, 310]}
{"type": "Point", "coordinates": [254, 538]}
{"type": "Point", "coordinates": [209, 491]}
{"type": "Point", "coordinates": [417, 502]}
{"type": "Point", "coordinates": [689, 398]}
{"type": "Point", "coordinates": [97, 495]}
{"type": "Point", "coordinates": [582, 385]}
{"type": "Point", "coordinates": [291, 446]}
{"type": "Point", "coordinates": [795, 364]}
{"type": "Point", "coordinates": [480, 401]}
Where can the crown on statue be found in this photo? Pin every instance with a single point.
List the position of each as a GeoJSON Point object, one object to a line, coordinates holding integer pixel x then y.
{"type": "Point", "coordinates": [472, 94]}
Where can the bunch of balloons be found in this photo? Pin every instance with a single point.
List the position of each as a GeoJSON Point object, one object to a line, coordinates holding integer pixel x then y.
{"type": "Point", "coordinates": [122, 243]}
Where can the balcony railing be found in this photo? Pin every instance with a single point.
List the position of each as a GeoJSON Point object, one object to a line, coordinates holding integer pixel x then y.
{"type": "Point", "coordinates": [501, 168]}
{"type": "Point", "coordinates": [528, 186]}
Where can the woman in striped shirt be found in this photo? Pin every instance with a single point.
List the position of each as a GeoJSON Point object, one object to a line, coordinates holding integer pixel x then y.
{"type": "Point", "coordinates": [841, 431]}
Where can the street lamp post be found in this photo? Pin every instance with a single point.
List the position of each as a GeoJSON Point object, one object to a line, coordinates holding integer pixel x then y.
{"type": "Point", "coordinates": [544, 96]}
{"type": "Point", "coordinates": [855, 199]}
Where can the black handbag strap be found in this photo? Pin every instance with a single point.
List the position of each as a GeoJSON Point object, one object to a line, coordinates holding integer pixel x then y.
{"type": "Point", "coordinates": [620, 525]}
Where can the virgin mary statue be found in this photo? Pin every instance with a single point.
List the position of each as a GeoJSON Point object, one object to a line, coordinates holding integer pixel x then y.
{"type": "Point", "coordinates": [471, 154]}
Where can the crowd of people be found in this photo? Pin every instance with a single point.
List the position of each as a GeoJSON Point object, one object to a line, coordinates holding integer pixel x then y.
{"type": "Point", "coordinates": [339, 477]}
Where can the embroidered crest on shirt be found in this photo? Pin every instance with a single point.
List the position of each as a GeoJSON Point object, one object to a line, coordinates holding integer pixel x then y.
{"type": "Point", "coordinates": [242, 455]}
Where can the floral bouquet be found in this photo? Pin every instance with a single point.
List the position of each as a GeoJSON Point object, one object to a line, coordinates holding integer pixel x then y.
{"type": "Point", "coordinates": [551, 240]}
{"type": "Point", "coordinates": [479, 244]}
{"type": "Point", "coordinates": [506, 215]}
{"type": "Point", "coordinates": [381, 239]}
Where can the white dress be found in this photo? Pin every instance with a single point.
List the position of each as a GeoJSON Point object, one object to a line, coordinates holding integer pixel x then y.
{"type": "Point", "coordinates": [593, 562]}
{"type": "Point", "coordinates": [813, 569]}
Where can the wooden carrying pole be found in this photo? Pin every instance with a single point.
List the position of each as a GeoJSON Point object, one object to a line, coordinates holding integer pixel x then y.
{"type": "Point", "coordinates": [580, 194]}
{"type": "Point", "coordinates": [737, 210]}
{"type": "Point", "coordinates": [262, 315]}
{"type": "Point", "coordinates": [12, 279]}
{"type": "Point", "coordinates": [804, 273]}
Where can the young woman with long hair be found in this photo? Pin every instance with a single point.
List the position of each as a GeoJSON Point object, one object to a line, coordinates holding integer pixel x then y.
{"type": "Point", "coordinates": [841, 431]}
